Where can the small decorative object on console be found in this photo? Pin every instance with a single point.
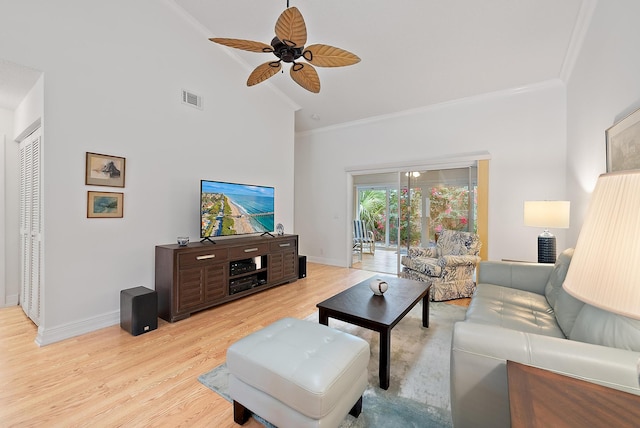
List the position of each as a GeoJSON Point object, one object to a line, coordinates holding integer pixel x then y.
{"type": "Point", "coordinates": [378, 286]}
{"type": "Point", "coordinates": [280, 229]}
{"type": "Point", "coordinates": [183, 241]}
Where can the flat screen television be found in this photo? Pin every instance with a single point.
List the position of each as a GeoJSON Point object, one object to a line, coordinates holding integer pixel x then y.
{"type": "Point", "coordinates": [235, 209]}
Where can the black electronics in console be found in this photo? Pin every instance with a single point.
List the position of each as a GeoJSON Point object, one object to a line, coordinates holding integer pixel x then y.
{"type": "Point", "coordinates": [242, 284]}
{"type": "Point", "coordinates": [241, 266]}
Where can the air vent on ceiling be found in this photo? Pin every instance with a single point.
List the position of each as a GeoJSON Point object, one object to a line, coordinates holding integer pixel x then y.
{"type": "Point", "coordinates": [191, 99]}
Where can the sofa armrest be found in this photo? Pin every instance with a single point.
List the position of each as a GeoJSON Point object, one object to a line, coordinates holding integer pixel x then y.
{"type": "Point", "coordinates": [479, 389]}
{"type": "Point", "coordinates": [531, 277]}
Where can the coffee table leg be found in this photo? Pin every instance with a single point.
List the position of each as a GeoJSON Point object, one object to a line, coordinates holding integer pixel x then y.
{"type": "Point", "coordinates": [385, 358]}
{"type": "Point", "coordinates": [425, 311]}
{"type": "Point", "coordinates": [323, 318]}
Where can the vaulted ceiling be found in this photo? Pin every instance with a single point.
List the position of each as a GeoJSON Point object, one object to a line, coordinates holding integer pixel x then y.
{"type": "Point", "coordinates": [414, 53]}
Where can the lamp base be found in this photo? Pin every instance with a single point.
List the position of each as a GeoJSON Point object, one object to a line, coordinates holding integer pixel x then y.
{"type": "Point", "coordinates": [546, 248]}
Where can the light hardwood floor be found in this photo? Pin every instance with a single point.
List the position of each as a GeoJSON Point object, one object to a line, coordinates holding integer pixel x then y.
{"type": "Point", "coordinates": [109, 378]}
{"type": "Point", "coordinates": [383, 260]}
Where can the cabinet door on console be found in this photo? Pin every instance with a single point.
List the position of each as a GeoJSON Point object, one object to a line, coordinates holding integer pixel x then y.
{"type": "Point", "coordinates": [290, 264]}
{"type": "Point", "coordinates": [283, 259]}
{"type": "Point", "coordinates": [276, 267]}
{"type": "Point", "coordinates": [201, 278]}
{"type": "Point", "coordinates": [199, 285]}
{"type": "Point", "coordinates": [215, 282]}
{"type": "Point", "coordinates": [190, 291]}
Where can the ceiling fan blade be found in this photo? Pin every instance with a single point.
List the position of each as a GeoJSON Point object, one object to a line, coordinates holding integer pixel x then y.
{"type": "Point", "coordinates": [290, 28]}
{"type": "Point", "coordinates": [329, 56]}
{"type": "Point", "coordinates": [245, 45]}
{"type": "Point", "coordinates": [263, 72]}
{"type": "Point", "coordinates": [306, 76]}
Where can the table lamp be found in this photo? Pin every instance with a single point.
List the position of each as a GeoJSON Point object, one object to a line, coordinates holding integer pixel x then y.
{"type": "Point", "coordinates": [547, 214]}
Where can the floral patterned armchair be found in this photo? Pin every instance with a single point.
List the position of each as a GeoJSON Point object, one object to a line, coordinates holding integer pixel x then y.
{"type": "Point", "coordinates": [449, 266]}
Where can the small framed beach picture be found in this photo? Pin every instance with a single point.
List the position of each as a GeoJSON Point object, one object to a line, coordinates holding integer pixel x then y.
{"type": "Point", "coordinates": [104, 204]}
{"type": "Point", "coordinates": [104, 170]}
{"type": "Point", "coordinates": [623, 144]}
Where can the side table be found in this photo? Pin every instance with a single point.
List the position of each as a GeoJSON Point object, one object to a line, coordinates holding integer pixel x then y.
{"type": "Point", "coordinates": [541, 398]}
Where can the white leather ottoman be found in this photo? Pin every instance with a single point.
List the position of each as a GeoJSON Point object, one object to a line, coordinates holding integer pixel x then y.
{"type": "Point", "coordinates": [296, 373]}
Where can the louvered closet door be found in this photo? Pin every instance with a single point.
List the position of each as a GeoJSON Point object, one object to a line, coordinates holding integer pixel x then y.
{"type": "Point", "coordinates": [31, 226]}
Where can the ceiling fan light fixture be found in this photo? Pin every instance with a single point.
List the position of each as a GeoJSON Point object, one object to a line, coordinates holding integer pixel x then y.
{"type": "Point", "coordinates": [284, 51]}
{"type": "Point", "coordinates": [289, 46]}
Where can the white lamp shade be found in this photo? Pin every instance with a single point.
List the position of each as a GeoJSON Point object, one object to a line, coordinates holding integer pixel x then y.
{"type": "Point", "coordinates": [547, 214]}
{"type": "Point", "coordinates": [605, 267]}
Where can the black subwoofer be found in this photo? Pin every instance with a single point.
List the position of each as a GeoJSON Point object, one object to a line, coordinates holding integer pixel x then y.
{"type": "Point", "coordinates": [302, 266]}
{"type": "Point", "coordinates": [138, 310]}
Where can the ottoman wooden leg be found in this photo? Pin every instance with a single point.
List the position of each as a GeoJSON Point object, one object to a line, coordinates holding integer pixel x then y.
{"type": "Point", "coordinates": [240, 413]}
{"type": "Point", "coordinates": [357, 408]}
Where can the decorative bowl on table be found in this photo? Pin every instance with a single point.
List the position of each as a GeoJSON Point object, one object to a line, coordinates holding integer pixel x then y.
{"type": "Point", "coordinates": [378, 286]}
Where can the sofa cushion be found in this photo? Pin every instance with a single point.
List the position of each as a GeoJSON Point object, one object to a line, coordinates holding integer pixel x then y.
{"type": "Point", "coordinates": [554, 284]}
{"type": "Point", "coordinates": [567, 309]}
{"type": "Point", "coordinates": [564, 305]}
{"type": "Point", "coordinates": [604, 328]}
{"type": "Point", "coordinates": [514, 309]}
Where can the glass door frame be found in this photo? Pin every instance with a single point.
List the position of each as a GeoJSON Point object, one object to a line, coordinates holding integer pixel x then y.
{"type": "Point", "coordinates": [480, 159]}
{"type": "Point", "coordinates": [448, 186]}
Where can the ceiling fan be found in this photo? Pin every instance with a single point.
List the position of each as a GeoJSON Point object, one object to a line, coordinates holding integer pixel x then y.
{"type": "Point", "coordinates": [288, 46]}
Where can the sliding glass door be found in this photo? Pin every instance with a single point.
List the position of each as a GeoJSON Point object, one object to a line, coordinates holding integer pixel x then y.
{"type": "Point", "coordinates": [376, 205]}
{"type": "Point", "coordinates": [410, 208]}
{"type": "Point", "coordinates": [435, 200]}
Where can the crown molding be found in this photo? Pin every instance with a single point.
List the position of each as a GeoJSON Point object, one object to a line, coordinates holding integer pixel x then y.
{"type": "Point", "coordinates": [577, 38]}
{"type": "Point", "coordinates": [503, 93]}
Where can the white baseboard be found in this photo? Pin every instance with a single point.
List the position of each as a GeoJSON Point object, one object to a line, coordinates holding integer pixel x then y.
{"type": "Point", "coordinates": [325, 261]}
{"type": "Point", "coordinates": [47, 336]}
{"type": "Point", "coordinates": [12, 300]}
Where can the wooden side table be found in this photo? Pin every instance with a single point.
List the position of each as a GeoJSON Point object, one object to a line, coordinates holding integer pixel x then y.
{"type": "Point", "coordinates": [541, 398]}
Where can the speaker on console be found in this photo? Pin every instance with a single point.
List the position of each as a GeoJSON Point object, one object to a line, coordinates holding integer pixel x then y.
{"type": "Point", "coordinates": [302, 266]}
{"type": "Point", "coordinates": [138, 310]}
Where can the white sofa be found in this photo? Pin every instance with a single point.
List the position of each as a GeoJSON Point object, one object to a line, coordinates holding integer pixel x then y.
{"type": "Point", "coordinates": [520, 312]}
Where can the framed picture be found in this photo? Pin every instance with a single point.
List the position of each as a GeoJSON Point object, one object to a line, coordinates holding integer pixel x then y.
{"type": "Point", "coordinates": [104, 204]}
{"type": "Point", "coordinates": [104, 170]}
{"type": "Point", "coordinates": [623, 144]}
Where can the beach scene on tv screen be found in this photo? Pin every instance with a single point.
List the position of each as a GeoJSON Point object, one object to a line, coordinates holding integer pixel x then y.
{"type": "Point", "coordinates": [235, 209]}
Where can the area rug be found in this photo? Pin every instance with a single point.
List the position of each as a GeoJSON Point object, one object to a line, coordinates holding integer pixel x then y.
{"type": "Point", "coordinates": [418, 395]}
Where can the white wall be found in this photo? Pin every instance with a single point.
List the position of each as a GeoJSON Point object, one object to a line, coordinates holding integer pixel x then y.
{"type": "Point", "coordinates": [113, 78]}
{"type": "Point", "coordinates": [6, 131]}
{"type": "Point", "coordinates": [603, 88]}
{"type": "Point", "coordinates": [29, 114]}
{"type": "Point", "coordinates": [523, 130]}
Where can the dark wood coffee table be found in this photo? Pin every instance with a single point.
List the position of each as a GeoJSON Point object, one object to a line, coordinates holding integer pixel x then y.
{"type": "Point", "coordinates": [358, 305]}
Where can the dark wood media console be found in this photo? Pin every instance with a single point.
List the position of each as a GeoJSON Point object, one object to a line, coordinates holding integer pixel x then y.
{"type": "Point", "coordinates": [203, 275]}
